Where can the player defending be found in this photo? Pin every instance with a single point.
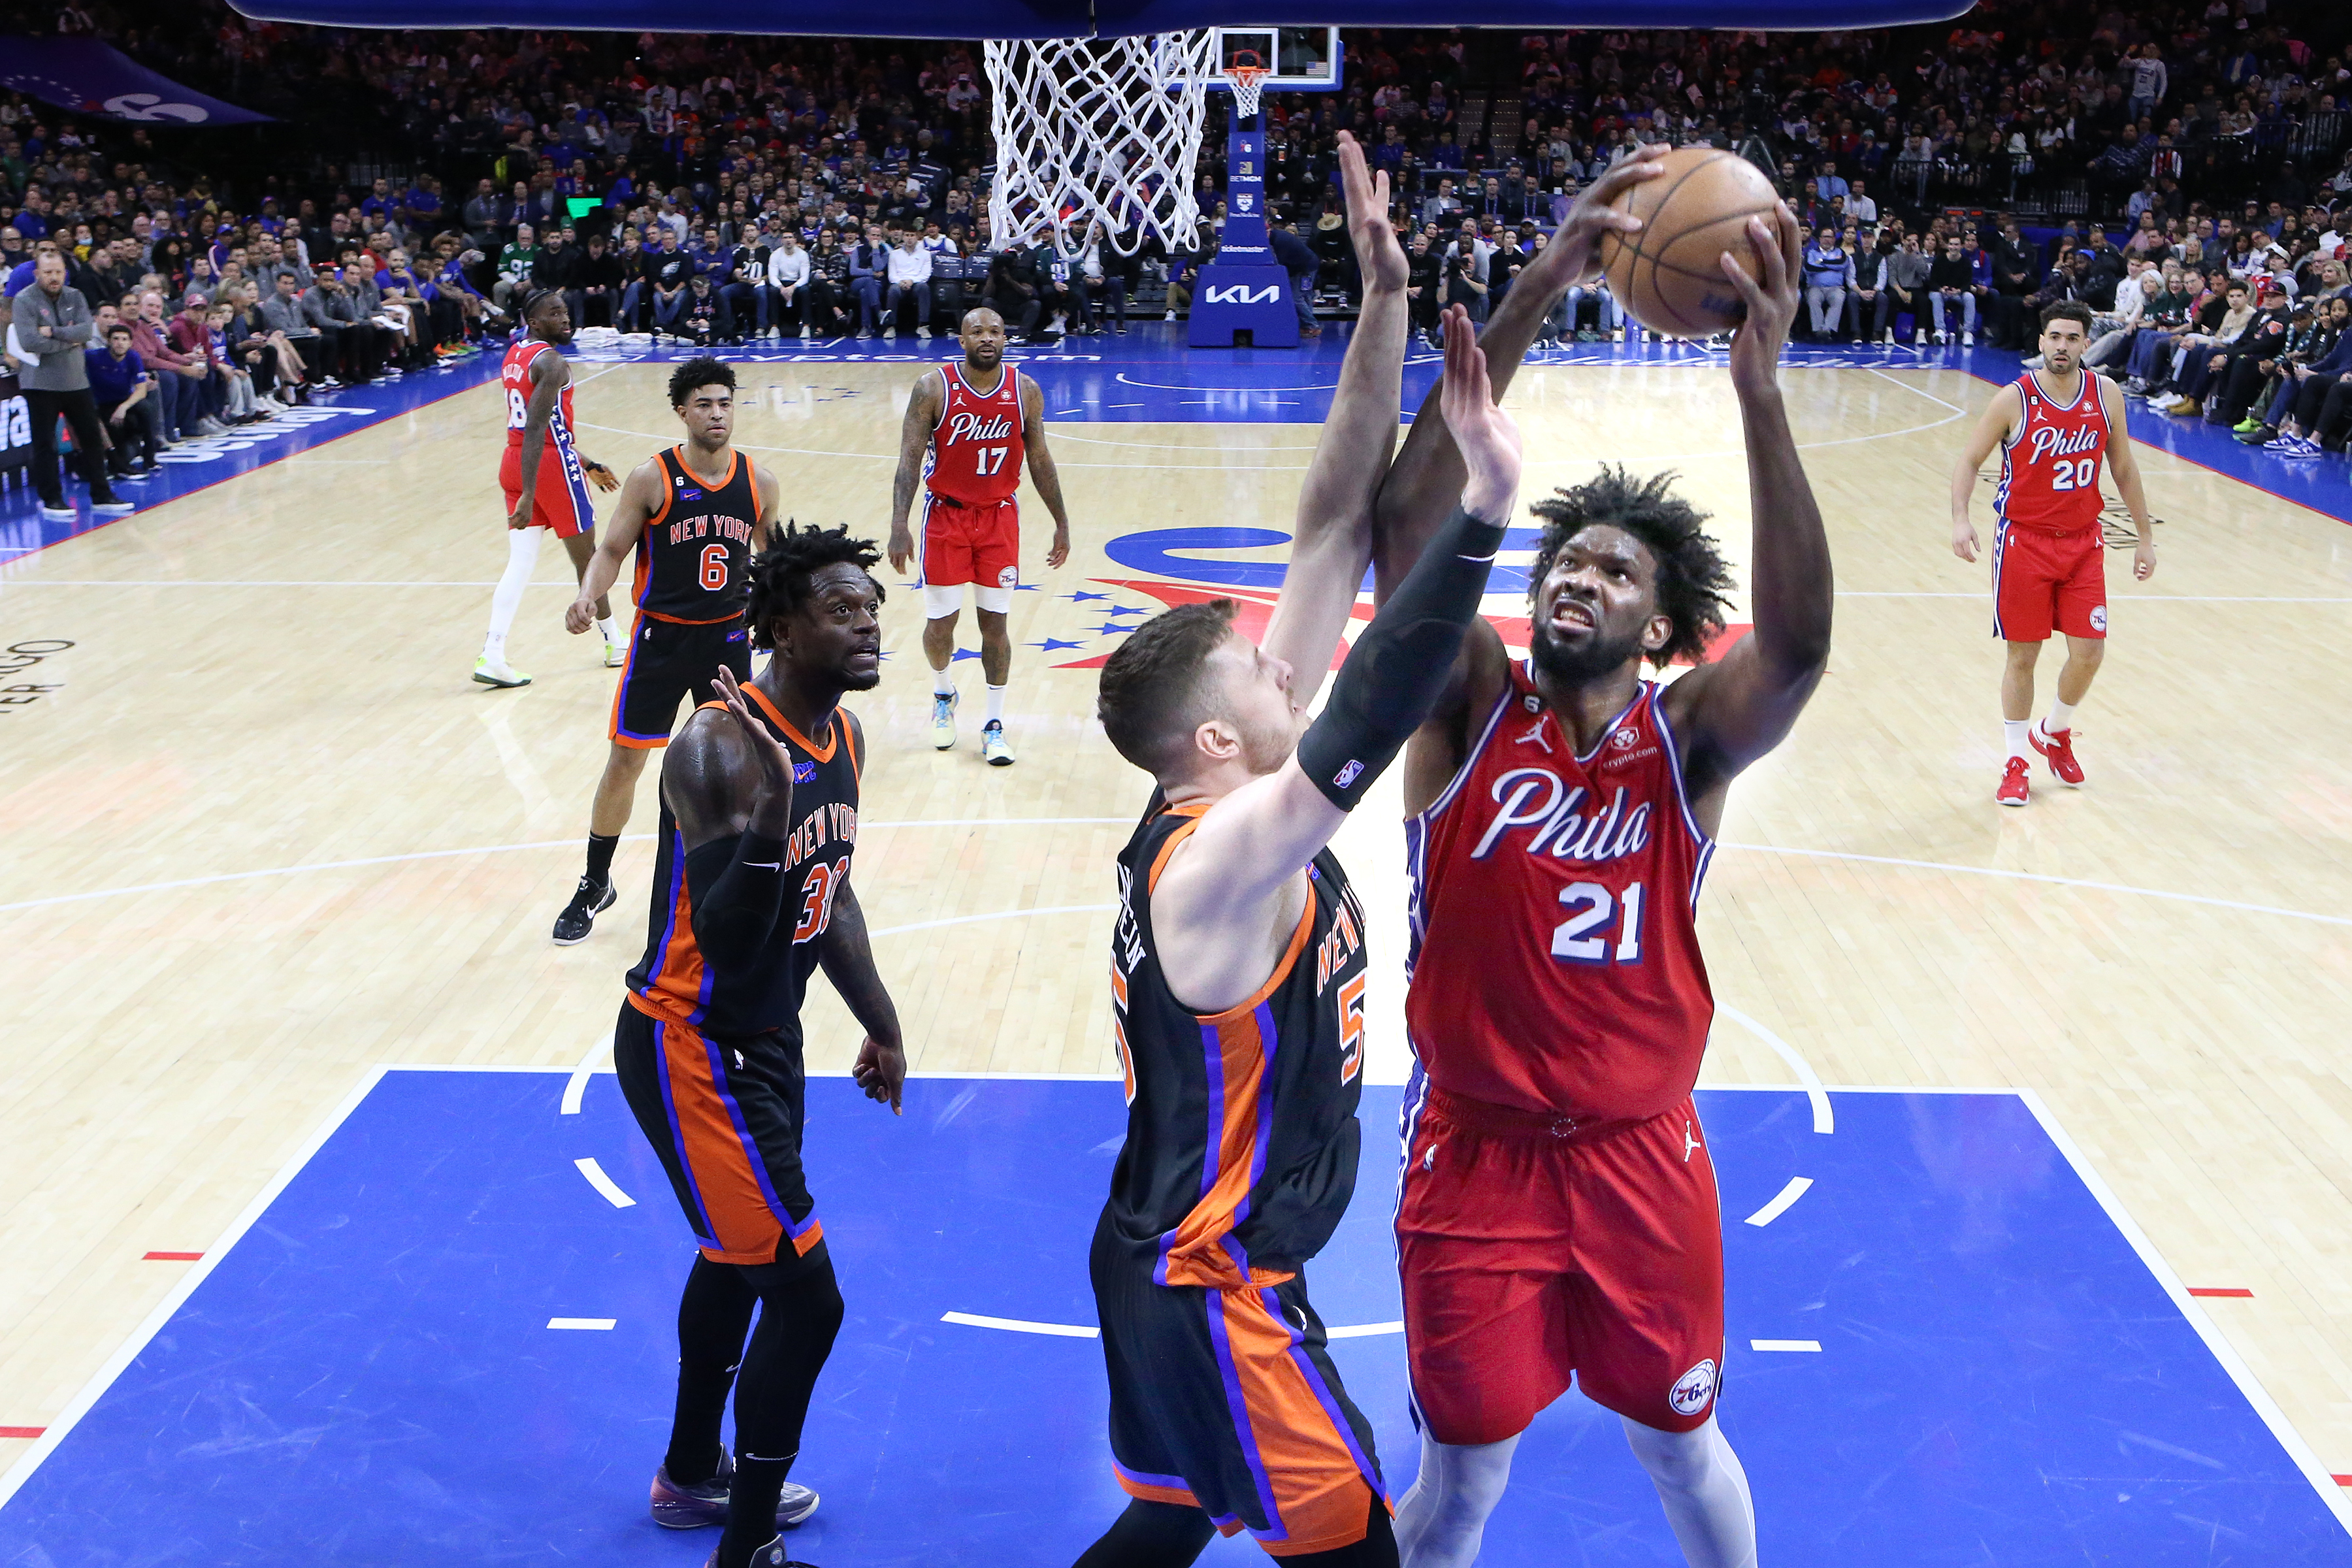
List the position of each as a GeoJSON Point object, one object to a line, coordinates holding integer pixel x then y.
{"type": "Point", "coordinates": [752, 894]}
{"type": "Point", "coordinates": [966, 433]}
{"type": "Point", "coordinates": [2049, 554]}
{"type": "Point", "coordinates": [542, 496]}
{"type": "Point", "coordinates": [1237, 981]}
{"type": "Point", "coordinates": [1557, 1215]}
{"type": "Point", "coordinates": [694, 515]}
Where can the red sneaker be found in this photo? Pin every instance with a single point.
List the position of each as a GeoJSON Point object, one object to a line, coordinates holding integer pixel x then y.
{"type": "Point", "coordinates": [2013, 790]}
{"type": "Point", "coordinates": [2057, 749]}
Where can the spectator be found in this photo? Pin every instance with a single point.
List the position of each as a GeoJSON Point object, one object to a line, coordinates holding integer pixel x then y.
{"type": "Point", "coordinates": [556, 266]}
{"type": "Point", "coordinates": [515, 266]}
{"type": "Point", "coordinates": [869, 262]}
{"type": "Point", "coordinates": [909, 270]}
{"type": "Point", "coordinates": [52, 323]}
{"type": "Point", "coordinates": [1828, 278]}
{"type": "Point", "coordinates": [119, 385]}
{"type": "Point", "coordinates": [600, 280]}
{"type": "Point", "coordinates": [1952, 284]}
{"type": "Point", "coordinates": [182, 395]}
{"type": "Point", "coordinates": [788, 283]}
{"type": "Point", "coordinates": [190, 332]}
{"type": "Point", "coordinates": [828, 288]}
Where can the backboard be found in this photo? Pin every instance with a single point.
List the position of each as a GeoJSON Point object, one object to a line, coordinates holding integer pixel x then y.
{"type": "Point", "coordinates": [1300, 59]}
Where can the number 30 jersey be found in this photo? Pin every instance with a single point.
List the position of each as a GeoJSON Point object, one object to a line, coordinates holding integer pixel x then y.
{"type": "Point", "coordinates": [2050, 465]}
{"type": "Point", "coordinates": [1555, 958]}
{"type": "Point", "coordinates": [976, 447]}
{"type": "Point", "coordinates": [694, 558]}
{"type": "Point", "coordinates": [1242, 1140]}
{"type": "Point", "coordinates": [674, 982]}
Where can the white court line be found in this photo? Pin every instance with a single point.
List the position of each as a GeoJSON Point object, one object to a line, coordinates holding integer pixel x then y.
{"type": "Point", "coordinates": [1021, 1325]}
{"type": "Point", "coordinates": [1797, 1188]}
{"type": "Point", "coordinates": [1813, 1346]}
{"type": "Point", "coordinates": [194, 1275]}
{"type": "Point", "coordinates": [578, 1085]}
{"type": "Point", "coordinates": [1824, 1120]}
{"type": "Point", "coordinates": [994, 915]}
{"type": "Point", "coordinates": [1363, 1330]}
{"type": "Point", "coordinates": [582, 1322]}
{"type": "Point", "coordinates": [2317, 1474]}
{"type": "Point", "coordinates": [604, 1185]}
{"type": "Point", "coordinates": [1907, 387]}
{"type": "Point", "coordinates": [893, 457]}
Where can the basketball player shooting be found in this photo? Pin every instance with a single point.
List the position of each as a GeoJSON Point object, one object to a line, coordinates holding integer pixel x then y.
{"type": "Point", "coordinates": [546, 479]}
{"type": "Point", "coordinates": [751, 896]}
{"type": "Point", "coordinates": [694, 515]}
{"type": "Point", "coordinates": [1238, 972]}
{"type": "Point", "coordinates": [1557, 1216]}
{"type": "Point", "coordinates": [2049, 553]}
{"type": "Point", "coordinates": [968, 430]}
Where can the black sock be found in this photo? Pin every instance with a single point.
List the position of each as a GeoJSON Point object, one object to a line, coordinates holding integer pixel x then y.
{"type": "Point", "coordinates": [1378, 1549]}
{"type": "Point", "coordinates": [800, 1313]}
{"type": "Point", "coordinates": [752, 1507]}
{"type": "Point", "coordinates": [713, 1316]}
{"type": "Point", "coordinates": [1152, 1535]}
{"type": "Point", "coordinates": [600, 856]}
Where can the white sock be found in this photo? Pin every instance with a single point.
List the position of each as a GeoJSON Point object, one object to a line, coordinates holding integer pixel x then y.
{"type": "Point", "coordinates": [2061, 716]}
{"type": "Point", "coordinates": [943, 683]}
{"type": "Point", "coordinates": [996, 705]}
{"type": "Point", "coordinates": [611, 627]}
{"type": "Point", "coordinates": [1705, 1490]}
{"type": "Point", "coordinates": [2016, 730]}
{"type": "Point", "coordinates": [523, 559]}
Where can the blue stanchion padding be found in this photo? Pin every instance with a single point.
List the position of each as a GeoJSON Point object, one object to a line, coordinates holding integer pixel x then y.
{"type": "Point", "coordinates": [1227, 301]}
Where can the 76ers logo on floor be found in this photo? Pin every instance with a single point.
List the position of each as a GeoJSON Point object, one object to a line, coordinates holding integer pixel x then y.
{"type": "Point", "coordinates": [1693, 1389]}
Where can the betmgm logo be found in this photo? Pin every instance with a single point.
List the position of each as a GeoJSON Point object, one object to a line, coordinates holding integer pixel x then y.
{"type": "Point", "coordinates": [1241, 294]}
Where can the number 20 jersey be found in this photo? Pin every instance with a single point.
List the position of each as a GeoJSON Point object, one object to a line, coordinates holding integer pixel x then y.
{"type": "Point", "coordinates": [2050, 465]}
{"type": "Point", "coordinates": [1554, 959]}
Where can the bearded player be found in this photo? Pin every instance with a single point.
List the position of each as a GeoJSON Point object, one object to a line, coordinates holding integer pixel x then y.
{"type": "Point", "coordinates": [1557, 1215]}
{"type": "Point", "coordinates": [546, 479]}
{"type": "Point", "coordinates": [2049, 551]}
{"type": "Point", "coordinates": [967, 432]}
{"type": "Point", "coordinates": [1238, 972]}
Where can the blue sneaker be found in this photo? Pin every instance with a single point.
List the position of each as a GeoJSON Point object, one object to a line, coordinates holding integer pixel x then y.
{"type": "Point", "coordinates": [690, 1508]}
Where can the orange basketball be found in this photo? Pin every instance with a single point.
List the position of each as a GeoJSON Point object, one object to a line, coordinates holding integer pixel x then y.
{"type": "Point", "coordinates": [1669, 277]}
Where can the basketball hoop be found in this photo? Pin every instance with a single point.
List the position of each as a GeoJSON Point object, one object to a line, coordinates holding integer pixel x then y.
{"type": "Point", "coordinates": [1247, 79]}
{"type": "Point", "coordinates": [1098, 130]}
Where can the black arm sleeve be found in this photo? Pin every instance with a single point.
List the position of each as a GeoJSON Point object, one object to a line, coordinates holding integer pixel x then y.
{"type": "Point", "coordinates": [737, 889]}
{"type": "Point", "coordinates": [1399, 668]}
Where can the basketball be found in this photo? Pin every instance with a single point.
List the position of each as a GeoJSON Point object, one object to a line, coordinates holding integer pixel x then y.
{"type": "Point", "coordinates": [1669, 277]}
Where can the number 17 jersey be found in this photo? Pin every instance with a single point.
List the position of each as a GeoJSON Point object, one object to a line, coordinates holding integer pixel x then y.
{"type": "Point", "coordinates": [976, 447]}
{"type": "Point", "coordinates": [1555, 962]}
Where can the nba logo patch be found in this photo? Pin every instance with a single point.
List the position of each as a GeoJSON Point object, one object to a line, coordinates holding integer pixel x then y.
{"type": "Point", "coordinates": [1693, 1389]}
{"type": "Point", "coordinates": [1349, 774]}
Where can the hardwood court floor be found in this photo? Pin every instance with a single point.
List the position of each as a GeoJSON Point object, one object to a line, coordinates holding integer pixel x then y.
{"type": "Point", "coordinates": [271, 676]}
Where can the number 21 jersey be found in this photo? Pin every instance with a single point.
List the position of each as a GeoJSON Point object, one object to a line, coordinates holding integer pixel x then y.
{"type": "Point", "coordinates": [976, 447]}
{"type": "Point", "coordinates": [1555, 960]}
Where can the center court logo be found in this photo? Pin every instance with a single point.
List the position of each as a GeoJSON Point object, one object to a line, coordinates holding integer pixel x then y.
{"type": "Point", "coordinates": [1693, 1389]}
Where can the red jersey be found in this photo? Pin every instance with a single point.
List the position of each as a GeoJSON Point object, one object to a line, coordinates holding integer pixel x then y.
{"type": "Point", "coordinates": [1556, 963]}
{"type": "Point", "coordinates": [2050, 465]}
{"type": "Point", "coordinates": [976, 451]}
{"type": "Point", "coordinates": [514, 377]}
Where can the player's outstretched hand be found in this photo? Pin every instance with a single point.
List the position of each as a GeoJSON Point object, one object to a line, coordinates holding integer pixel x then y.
{"type": "Point", "coordinates": [881, 1072]}
{"type": "Point", "coordinates": [579, 615]}
{"type": "Point", "coordinates": [602, 477]}
{"type": "Point", "coordinates": [1379, 256]}
{"type": "Point", "coordinates": [902, 546]}
{"type": "Point", "coordinates": [775, 763]}
{"type": "Point", "coordinates": [1573, 255]}
{"type": "Point", "coordinates": [1059, 551]}
{"type": "Point", "coordinates": [1488, 437]}
{"type": "Point", "coordinates": [1772, 305]}
{"type": "Point", "coordinates": [1964, 540]}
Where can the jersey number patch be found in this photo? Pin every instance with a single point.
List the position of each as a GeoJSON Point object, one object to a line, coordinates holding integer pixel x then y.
{"type": "Point", "coordinates": [1582, 937]}
{"type": "Point", "coordinates": [825, 879]}
{"type": "Point", "coordinates": [714, 567]}
{"type": "Point", "coordinates": [518, 411]}
{"type": "Point", "coordinates": [2075, 474]}
{"type": "Point", "coordinates": [1352, 1029]}
{"type": "Point", "coordinates": [990, 459]}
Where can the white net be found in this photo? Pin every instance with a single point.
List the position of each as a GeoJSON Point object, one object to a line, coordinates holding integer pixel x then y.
{"type": "Point", "coordinates": [1098, 130]}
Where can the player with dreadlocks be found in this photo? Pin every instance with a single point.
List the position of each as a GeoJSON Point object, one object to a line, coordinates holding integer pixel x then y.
{"type": "Point", "coordinates": [752, 894]}
{"type": "Point", "coordinates": [1557, 1211]}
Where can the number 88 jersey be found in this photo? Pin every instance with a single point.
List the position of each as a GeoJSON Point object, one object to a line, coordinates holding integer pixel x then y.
{"type": "Point", "coordinates": [694, 558]}
{"type": "Point", "coordinates": [2050, 464]}
{"type": "Point", "coordinates": [1554, 959]}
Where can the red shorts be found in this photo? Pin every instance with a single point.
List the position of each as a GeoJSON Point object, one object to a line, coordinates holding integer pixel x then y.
{"type": "Point", "coordinates": [1528, 1258]}
{"type": "Point", "coordinates": [978, 544]}
{"type": "Point", "coordinates": [2041, 579]}
{"type": "Point", "coordinates": [562, 503]}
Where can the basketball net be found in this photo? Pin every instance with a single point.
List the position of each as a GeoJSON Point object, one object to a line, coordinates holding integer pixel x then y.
{"type": "Point", "coordinates": [1098, 130]}
{"type": "Point", "coordinates": [1247, 80]}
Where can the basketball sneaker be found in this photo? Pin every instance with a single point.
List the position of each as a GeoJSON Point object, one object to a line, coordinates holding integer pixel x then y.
{"type": "Point", "coordinates": [498, 672]}
{"type": "Point", "coordinates": [690, 1508]}
{"type": "Point", "coordinates": [772, 1555]}
{"type": "Point", "coordinates": [617, 654]}
{"type": "Point", "coordinates": [2013, 790]}
{"type": "Point", "coordinates": [993, 746]}
{"type": "Point", "coordinates": [2057, 749]}
{"type": "Point", "coordinates": [943, 709]}
{"type": "Point", "coordinates": [589, 899]}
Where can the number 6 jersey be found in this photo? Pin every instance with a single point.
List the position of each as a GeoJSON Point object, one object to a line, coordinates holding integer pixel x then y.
{"type": "Point", "coordinates": [1555, 960]}
{"type": "Point", "coordinates": [694, 558]}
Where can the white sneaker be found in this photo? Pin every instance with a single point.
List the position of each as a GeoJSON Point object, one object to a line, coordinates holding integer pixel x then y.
{"type": "Point", "coordinates": [1967, 340]}
{"type": "Point", "coordinates": [993, 746]}
{"type": "Point", "coordinates": [1890, 337]}
{"type": "Point", "coordinates": [498, 672]}
{"type": "Point", "coordinates": [943, 711]}
{"type": "Point", "coordinates": [208, 425]}
{"type": "Point", "coordinates": [617, 654]}
{"type": "Point", "coordinates": [58, 514]}
{"type": "Point", "coordinates": [922, 331]}
{"type": "Point", "coordinates": [890, 334]}
{"type": "Point", "coordinates": [112, 507]}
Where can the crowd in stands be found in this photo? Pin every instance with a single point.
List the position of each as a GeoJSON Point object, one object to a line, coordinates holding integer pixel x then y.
{"type": "Point", "coordinates": [714, 189]}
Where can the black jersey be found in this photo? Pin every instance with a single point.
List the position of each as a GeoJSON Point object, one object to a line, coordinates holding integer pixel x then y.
{"type": "Point", "coordinates": [674, 982]}
{"type": "Point", "coordinates": [1241, 1128]}
{"type": "Point", "coordinates": [694, 558]}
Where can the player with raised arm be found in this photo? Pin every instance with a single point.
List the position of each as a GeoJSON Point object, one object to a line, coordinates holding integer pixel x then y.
{"type": "Point", "coordinates": [546, 479]}
{"type": "Point", "coordinates": [1557, 1215]}
{"type": "Point", "coordinates": [696, 515]}
{"type": "Point", "coordinates": [2049, 550]}
{"type": "Point", "coordinates": [969, 428]}
{"type": "Point", "coordinates": [751, 896]}
{"type": "Point", "coordinates": [1237, 980]}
